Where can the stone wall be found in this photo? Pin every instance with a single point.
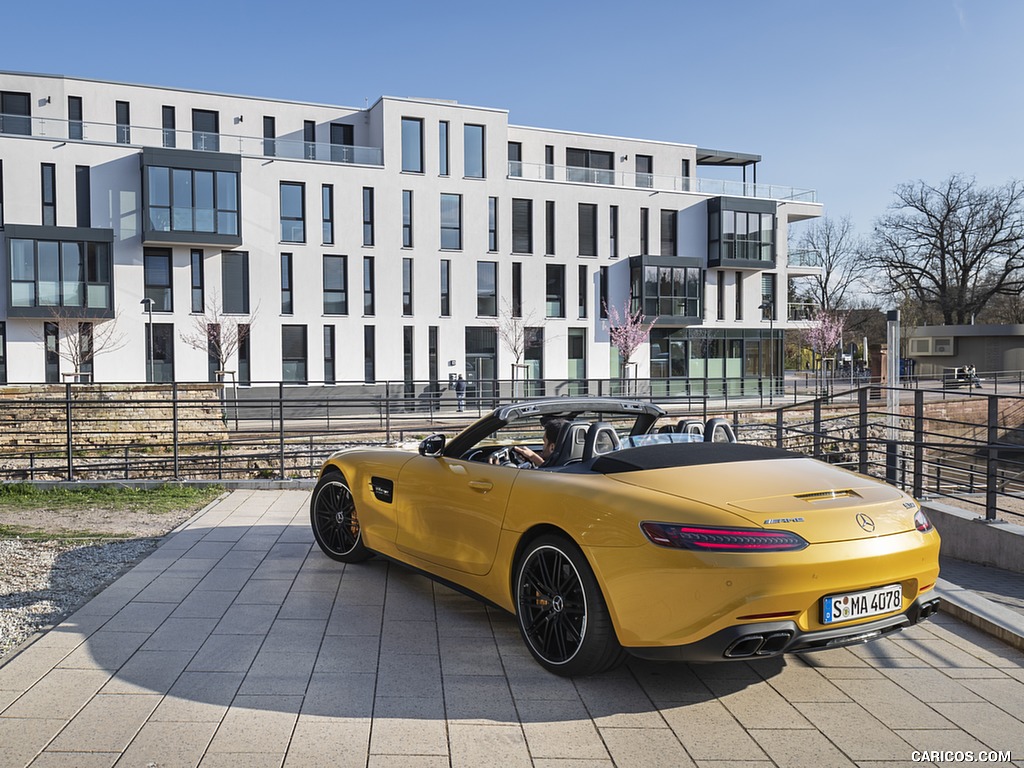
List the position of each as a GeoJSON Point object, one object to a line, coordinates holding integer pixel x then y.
{"type": "Point", "coordinates": [36, 416]}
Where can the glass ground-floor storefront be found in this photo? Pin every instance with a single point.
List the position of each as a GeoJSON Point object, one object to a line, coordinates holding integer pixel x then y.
{"type": "Point", "coordinates": [698, 360]}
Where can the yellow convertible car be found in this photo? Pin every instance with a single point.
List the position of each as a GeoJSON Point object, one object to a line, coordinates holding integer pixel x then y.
{"type": "Point", "coordinates": [616, 534]}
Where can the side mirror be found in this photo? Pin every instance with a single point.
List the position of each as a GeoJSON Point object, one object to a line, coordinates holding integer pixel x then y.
{"type": "Point", "coordinates": [432, 445]}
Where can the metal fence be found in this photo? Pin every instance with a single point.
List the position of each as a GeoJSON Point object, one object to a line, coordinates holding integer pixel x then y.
{"type": "Point", "coordinates": [966, 444]}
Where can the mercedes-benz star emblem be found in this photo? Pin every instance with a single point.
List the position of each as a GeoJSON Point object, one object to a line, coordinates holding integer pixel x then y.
{"type": "Point", "coordinates": [865, 522]}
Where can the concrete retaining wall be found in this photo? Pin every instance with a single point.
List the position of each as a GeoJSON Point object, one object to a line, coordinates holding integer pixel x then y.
{"type": "Point", "coordinates": [965, 536]}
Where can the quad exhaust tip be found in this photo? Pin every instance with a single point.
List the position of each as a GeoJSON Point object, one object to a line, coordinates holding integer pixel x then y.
{"type": "Point", "coordinates": [759, 645]}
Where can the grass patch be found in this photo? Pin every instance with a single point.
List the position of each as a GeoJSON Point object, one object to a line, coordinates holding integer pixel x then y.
{"type": "Point", "coordinates": [156, 500]}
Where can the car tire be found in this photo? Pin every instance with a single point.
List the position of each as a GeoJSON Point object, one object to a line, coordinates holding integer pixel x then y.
{"type": "Point", "coordinates": [332, 514]}
{"type": "Point", "coordinates": [561, 613]}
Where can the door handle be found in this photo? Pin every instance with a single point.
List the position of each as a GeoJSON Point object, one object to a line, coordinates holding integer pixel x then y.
{"type": "Point", "coordinates": [481, 485]}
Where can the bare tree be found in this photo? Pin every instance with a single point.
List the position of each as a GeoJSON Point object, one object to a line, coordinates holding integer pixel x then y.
{"type": "Point", "coordinates": [81, 339]}
{"type": "Point", "coordinates": [627, 331]}
{"type": "Point", "coordinates": [216, 333]}
{"type": "Point", "coordinates": [839, 249]}
{"type": "Point", "coordinates": [952, 248]}
{"type": "Point", "coordinates": [518, 333]}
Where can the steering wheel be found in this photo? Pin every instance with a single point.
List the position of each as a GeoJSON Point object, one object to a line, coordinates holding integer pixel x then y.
{"type": "Point", "coordinates": [502, 456]}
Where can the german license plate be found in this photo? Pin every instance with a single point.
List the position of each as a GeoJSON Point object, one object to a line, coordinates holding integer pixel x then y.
{"type": "Point", "coordinates": [857, 605]}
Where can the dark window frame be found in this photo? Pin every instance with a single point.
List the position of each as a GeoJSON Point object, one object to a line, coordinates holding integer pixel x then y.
{"type": "Point", "coordinates": [334, 283]}
{"type": "Point", "coordinates": [291, 221]}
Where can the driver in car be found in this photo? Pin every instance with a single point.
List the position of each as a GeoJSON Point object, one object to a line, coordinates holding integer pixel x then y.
{"type": "Point", "coordinates": [526, 458]}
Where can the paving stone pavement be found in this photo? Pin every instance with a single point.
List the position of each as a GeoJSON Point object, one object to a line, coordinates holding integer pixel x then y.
{"type": "Point", "coordinates": [236, 643]}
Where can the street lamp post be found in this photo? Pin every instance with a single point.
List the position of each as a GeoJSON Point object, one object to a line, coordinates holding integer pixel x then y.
{"type": "Point", "coordinates": [148, 302]}
{"type": "Point", "coordinates": [767, 307]}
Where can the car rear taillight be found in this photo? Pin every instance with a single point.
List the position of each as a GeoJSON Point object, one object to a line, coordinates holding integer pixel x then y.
{"type": "Point", "coordinates": [705, 538]}
{"type": "Point", "coordinates": [921, 521]}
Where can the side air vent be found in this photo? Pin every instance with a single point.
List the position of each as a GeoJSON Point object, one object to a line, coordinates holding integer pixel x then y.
{"type": "Point", "coordinates": [827, 495]}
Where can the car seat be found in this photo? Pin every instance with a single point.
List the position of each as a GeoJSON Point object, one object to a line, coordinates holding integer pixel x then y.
{"type": "Point", "coordinates": [719, 430]}
{"type": "Point", "coordinates": [569, 445]}
{"type": "Point", "coordinates": [601, 438]}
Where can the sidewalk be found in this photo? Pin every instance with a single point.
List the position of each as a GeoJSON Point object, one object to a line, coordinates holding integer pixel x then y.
{"type": "Point", "coordinates": [990, 599]}
{"type": "Point", "coordinates": [238, 643]}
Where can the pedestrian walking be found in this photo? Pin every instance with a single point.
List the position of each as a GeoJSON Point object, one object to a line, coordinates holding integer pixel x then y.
{"type": "Point", "coordinates": [460, 393]}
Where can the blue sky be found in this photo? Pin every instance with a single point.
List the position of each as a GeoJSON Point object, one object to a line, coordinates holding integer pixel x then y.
{"type": "Point", "coordinates": [847, 98]}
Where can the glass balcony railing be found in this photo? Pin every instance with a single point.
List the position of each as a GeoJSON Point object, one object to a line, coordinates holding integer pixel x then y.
{"type": "Point", "coordinates": [203, 141]}
{"type": "Point", "coordinates": [716, 187]}
{"type": "Point", "coordinates": [805, 259]}
{"type": "Point", "coordinates": [802, 310]}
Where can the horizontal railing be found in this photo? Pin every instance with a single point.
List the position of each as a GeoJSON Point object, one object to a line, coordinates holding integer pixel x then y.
{"type": "Point", "coordinates": [805, 258]}
{"type": "Point", "coordinates": [203, 141]}
{"type": "Point", "coordinates": [698, 185]}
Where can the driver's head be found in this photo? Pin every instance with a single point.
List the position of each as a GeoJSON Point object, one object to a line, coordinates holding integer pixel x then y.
{"type": "Point", "coordinates": [551, 429]}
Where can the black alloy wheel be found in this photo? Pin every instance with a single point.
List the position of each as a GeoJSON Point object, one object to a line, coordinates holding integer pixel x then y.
{"type": "Point", "coordinates": [561, 613]}
{"type": "Point", "coordinates": [332, 513]}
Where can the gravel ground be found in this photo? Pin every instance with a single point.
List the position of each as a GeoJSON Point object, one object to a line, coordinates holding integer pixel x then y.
{"type": "Point", "coordinates": [42, 582]}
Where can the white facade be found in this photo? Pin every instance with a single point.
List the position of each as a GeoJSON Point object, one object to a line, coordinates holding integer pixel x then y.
{"type": "Point", "coordinates": [367, 155]}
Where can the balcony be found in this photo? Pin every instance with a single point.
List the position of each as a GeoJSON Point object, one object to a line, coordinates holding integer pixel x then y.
{"type": "Point", "coordinates": [805, 259]}
{"type": "Point", "coordinates": [712, 187]}
{"type": "Point", "coordinates": [802, 311]}
{"type": "Point", "coordinates": [141, 136]}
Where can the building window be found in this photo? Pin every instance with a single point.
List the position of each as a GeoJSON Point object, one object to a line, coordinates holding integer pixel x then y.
{"type": "Point", "coordinates": [48, 189]}
{"type": "Point", "coordinates": [83, 196]}
{"type": "Point", "coordinates": [668, 233]}
{"type": "Point", "coordinates": [613, 231]}
{"type": "Point", "coordinates": [342, 139]}
{"type": "Point", "coordinates": [672, 291]}
{"type": "Point", "coordinates": [644, 171]}
{"type": "Point", "coordinates": [582, 290]}
{"type": "Point", "coordinates": [555, 291]}
{"type": "Point", "coordinates": [58, 273]}
{"type": "Point", "coordinates": [549, 162]}
{"type": "Point", "coordinates": [287, 306]}
{"type": "Point", "coordinates": [446, 288]}
{"type": "Point", "coordinates": [191, 200]}
{"type": "Point", "coordinates": [481, 362]}
{"type": "Point", "coordinates": [407, 218]}
{"type": "Point", "coordinates": [293, 354]}
{"type": "Point", "coordinates": [198, 297]}
{"type": "Point", "coordinates": [603, 292]}
{"type": "Point", "coordinates": [15, 113]}
{"type": "Point", "coordinates": [156, 267]}
{"type": "Point", "coordinates": [335, 283]}
{"type": "Point", "coordinates": [269, 136]}
{"type": "Point", "coordinates": [1, 193]}
{"type": "Point", "coordinates": [588, 229]}
{"type": "Point", "coordinates": [720, 309]}
{"type": "Point", "coordinates": [768, 296]}
{"type": "Point", "coordinates": [122, 115]}
{"type": "Point", "coordinates": [522, 226]}
{"type": "Point", "coordinates": [369, 355]}
{"type": "Point", "coordinates": [739, 296]}
{"type": "Point", "coordinates": [235, 282]}
{"type": "Point", "coordinates": [577, 352]}
{"type": "Point", "coordinates": [3, 352]}
{"type": "Point", "coordinates": [51, 352]}
{"type": "Point", "coordinates": [589, 166]}
{"type": "Point", "coordinates": [473, 145]}
{"type": "Point", "coordinates": [741, 235]}
{"type": "Point", "coordinates": [451, 222]}
{"type": "Point", "coordinates": [213, 347]}
{"type": "Point", "coordinates": [327, 213]}
{"type": "Point", "coordinates": [367, 216]}
{"type": "Point", "coordinates": [408, 369]}
{"type": "Point", "coordinates": [368, 298]}
{"type": "Point", "coordinates": [549, 227]}
{"type": "Point", "coordinates": [329, 355]}
{"type": "Point", "coordinates": [160, 357]}
{"type": "Point", "coordinates": [205, 130]}
{"type": "Point", "coordinates": [412, 145]}
{"type": "Point", "coordinates": [492, 224]}
{"type": "Point", "coordinates": [487, 289]}
{"type": "Point", "coordinates": [244, 368]}
{"type": "Point", "coordinates": [517, 289]}
{"type": "Point", "coordinates": [515, 158]}
{"type": "Point", "coordinates": [407, 287]}
{"type": "Point", "coordinates": [168, 124]}
{"type": "Point", "coordinates": [309, 139]}
{"type": "Point", "coordinates": [293, 212]}
{"type": "Point", "coordinates": [442, 148]}
{"type": "Point", "coordinates": [533, 358]}
{"type": "Point", "coordinates": [645, 231]}
{"type": "Point", "coordinates": [432, 362]}
{"type": "Point", "coordinates": [75, 117]}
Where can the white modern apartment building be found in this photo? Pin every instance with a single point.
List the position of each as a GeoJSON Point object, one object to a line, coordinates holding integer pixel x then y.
{"type": "Point", "coordinates": [392, 243]}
